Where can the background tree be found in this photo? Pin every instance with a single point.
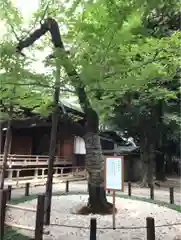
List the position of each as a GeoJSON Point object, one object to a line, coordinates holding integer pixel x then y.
{"type": "Point", "coordinates": [149, 105]}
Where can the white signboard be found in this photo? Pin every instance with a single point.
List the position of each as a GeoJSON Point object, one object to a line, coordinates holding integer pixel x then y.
{"type": "Point", "coordinates": [114, 173]}
{"type": "Point", "coordinates": [79, 146]}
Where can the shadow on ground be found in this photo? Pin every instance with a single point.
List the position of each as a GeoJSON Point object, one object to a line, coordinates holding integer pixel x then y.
{"type": "Point", "coordinates": [11, 234]}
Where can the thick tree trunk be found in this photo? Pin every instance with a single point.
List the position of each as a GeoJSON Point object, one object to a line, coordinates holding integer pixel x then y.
{"type": "Point", "coordinates": [160, 166]}
{"type": "Point", "coordinates": [144, 178]}
{"type": "Point", "coordinates": [151, 164]}
{"type": "Point", "coordinates": [159, 158]}
{"type": "Point", "coordinates": [94, 164]}
{"type": "Point", "coordinates": [144, 160]}
{"type": "Point", "coordinates": [147, 156]}
{"type": "Point", "coordinates": [169, 164]}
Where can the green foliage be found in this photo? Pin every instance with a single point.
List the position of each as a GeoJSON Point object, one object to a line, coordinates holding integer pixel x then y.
{"type": "Point", "coordinates": [126, 52]}
{"type": "Point", "coordinates": [19, 86]}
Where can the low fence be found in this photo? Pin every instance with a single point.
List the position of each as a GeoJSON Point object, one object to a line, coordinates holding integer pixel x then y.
{"type": "Point", "coordinates": [39, 230]}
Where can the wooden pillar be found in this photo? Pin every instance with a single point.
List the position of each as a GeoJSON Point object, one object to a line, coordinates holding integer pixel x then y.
{"type": "Point", "coordinates": [3, 200]}
{"type": "Point", "coordinates": [1, 140]}
{"type": "Point", "coordinates": [10, 173]}
{"type": "Point", "coordinates": [36, 173]}
{"type": "Point", "coordinates": [74, 160]}
{"type": "Point", "coordinates": [43, 173]}
{"type": "Point", "coordinates": [56, 171]}
{"type": "Point", "coordinates": [76, 172]}
{"type": "Point", "coordinates": [39, 217]}
{"type": "Point", "coordinates": [61, 171]}
{"type": "Point", "coordinates": [17, 177]}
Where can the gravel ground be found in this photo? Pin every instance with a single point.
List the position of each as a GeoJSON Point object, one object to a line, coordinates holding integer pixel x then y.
{"type": "Point", "coordinates": [130, 214]}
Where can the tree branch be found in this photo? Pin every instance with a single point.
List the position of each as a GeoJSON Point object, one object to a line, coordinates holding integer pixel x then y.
{"type": "Point", "coordinates": [38, 85]}
{"type": "Point", "coordinates": [140, 66]}
{"type": "Point", "coordinates": [52, 26]}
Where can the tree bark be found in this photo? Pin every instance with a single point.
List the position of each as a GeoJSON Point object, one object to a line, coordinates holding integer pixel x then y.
{"type": "Point", "coordinates": [94, 164]}
{"type": "Point", "coordinates": [52, 148]}
{"type": "Point", "coordinates": [160, 166]}
{"type": "Point", "coordinates": [97, 197]}
{"type": "Point", "coordinates": [144, 159]}
{"type": "Point", "coordinates": [151, 164]}
{"type": "Point", "coordinates": [159, 156]}
{"type": "Point", "coordinates": [147, 156]}
{"type": "Point", "coordinates": [1, 139]}
{"type": "Point", "coordinates": [6, 152]}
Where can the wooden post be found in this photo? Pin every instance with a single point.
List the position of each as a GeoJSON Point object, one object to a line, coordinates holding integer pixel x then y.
{"type": "Point", "coordinates": [36, 173]}
{"type": "Point", "coordinates": [10, 174]}
{"type": "Point", "coordinates": [6, 150]}
{"type": "Point", "coordinates": [61, 172]}
{"type": "Point", "coordinates": [93, 228]}
{"type": "Point", "coordinates": [43, 171]}
{"type": "Point", "coordinates": [76, 172]}
{"type": "Point", "coordinates": [53, 143]}
{"type": "Point", "coordinates": [9, 192]}
{"type": "Point", "coordinates": [1, 140]}
{"type": "Point", "coordinates": [39, 218]}
{"type": "Point", "coordinates": [152, 192]}
{"type": "Point", "coordinates": [3, 199]}
{"type": "Point", "coordinates": [150, 224]}
{"type": "Point", "coordinates": [67, 187]}
{"type": "Point", "coordinates": [56, 171]}
{"type": "Point", "coordinates": [129, 189]}
{"type": "Point", "coordinates": [27, 189]}
{"type": "Point", "coordinates": [114, 212]}
{"type": "Point", "coordinates": [171, 195]}
{"type": "Point", "coordinates": [17, 177]}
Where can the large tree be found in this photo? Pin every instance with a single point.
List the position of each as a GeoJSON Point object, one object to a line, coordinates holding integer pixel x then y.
{"type": "Point", "coordinates": [156, 100]}
{"type": "Point", "coordinates": [94, 159]}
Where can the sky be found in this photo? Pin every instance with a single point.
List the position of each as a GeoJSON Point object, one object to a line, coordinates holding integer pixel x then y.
{"type": "Point", "coordinates": [27, 8]}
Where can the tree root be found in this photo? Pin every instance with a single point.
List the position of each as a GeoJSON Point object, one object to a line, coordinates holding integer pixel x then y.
{"type": "Point", "coordinates": [99, 208]}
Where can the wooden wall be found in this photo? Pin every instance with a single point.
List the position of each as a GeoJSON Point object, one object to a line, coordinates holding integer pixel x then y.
{"type": "Point", "coordinates": [35, 141]}
{"type": "Point", "coordinates": [65, 146]}
{"type": "Point", "coordinates": [21, 145]}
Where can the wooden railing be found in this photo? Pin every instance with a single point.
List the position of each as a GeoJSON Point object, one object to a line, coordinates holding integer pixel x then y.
{"type": "Point", "coordinates": [29, 160]}
{"type": "Point", "coordinates": [40, 173]}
